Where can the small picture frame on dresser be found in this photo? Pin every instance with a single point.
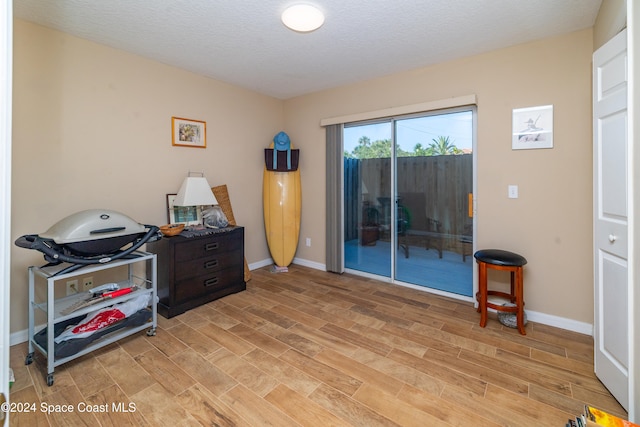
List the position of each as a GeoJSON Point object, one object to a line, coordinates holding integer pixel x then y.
{"type": "Point", "coordinates": [187, 215]}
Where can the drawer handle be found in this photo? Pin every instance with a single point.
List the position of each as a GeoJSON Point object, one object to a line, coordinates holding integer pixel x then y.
{"type": "Point", "coordinates": [211, 264]}
{"type": "Point", "coordinates": [211, 282]}
{"type": "Point", "coordinates": [211, 246]}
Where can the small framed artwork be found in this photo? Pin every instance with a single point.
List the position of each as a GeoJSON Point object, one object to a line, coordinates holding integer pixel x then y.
{"type": "Point", "coordinates": [188, 133]}
{"type": "Point", "coordinates": [187, 215]}
{"type": "Point", "coordinates": [532, 128]}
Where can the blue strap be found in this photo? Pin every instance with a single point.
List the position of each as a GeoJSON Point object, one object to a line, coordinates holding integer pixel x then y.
{"type": "Point", "coordinates": [281, 142]}
{"type": "Point", "coordinates": [275, 159]}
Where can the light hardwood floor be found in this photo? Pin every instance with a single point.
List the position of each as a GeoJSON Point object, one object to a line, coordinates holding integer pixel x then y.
{"type": "Point", "coordinates": [318, 349]}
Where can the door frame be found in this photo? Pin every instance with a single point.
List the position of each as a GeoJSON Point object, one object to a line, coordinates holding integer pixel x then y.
{"type": "Point", "coordinates": [6, 66]}
{"type": "Point", "coordinates": [633, 40]}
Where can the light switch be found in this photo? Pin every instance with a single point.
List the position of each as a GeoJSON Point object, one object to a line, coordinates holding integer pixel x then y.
{"type": "Point", "coordinates": [513, 191]}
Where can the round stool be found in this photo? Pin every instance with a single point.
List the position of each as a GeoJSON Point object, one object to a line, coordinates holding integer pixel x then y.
{"type": "Point", "coordinates": [498, 259]}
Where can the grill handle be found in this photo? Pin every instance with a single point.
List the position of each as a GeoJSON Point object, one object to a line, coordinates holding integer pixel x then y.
{"type": "Point", "coordinates": [107, 230]}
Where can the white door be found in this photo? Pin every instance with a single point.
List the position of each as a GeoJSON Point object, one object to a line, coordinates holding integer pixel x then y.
{"type": "Point", "coordinates": [611, 245]}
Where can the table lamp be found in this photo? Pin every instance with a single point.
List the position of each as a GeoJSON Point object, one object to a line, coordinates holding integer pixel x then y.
{"type": "Point", "coordinates": [195, 191]}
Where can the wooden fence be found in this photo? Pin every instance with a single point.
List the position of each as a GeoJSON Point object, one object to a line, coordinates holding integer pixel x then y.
{"type": "Point", "coordinates": [430, 187]}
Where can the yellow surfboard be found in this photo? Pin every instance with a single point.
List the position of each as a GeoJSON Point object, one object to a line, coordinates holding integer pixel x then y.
{"type": "Point", "coordinates": [281, 201]}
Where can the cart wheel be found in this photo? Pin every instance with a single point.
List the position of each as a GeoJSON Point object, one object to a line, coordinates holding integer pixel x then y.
{"type": "Point", "coordinates": [151, 332]}
{"type": "Point", "coordinates": [50, 380]}
{"type": "Point", "coordinates": [29, 359]}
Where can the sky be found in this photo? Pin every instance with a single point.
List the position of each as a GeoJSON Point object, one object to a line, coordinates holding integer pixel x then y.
{"type": "Point", "coordinates": [457, 126]}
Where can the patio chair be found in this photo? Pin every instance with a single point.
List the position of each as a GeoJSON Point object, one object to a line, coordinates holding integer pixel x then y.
{"type": "Point", "coordinates": [467, 242]}
{"type": "Point", "coordinates": [434, 237]}
{"type": "Point", "coordinates": [404, 223]}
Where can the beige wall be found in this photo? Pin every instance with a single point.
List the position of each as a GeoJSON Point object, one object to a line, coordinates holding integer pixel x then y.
{"type": "Point", "coordinates": [551, 223]}
{"type": "Point", "coordinates": [611, 19]}
{"type": "Point", "coordinates": [92, 128]}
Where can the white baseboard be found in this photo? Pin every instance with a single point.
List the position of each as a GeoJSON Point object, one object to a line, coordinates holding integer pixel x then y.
{"type": "Point", "coordinates": [19, 337]}
{"type": "Point", "coordinates": [534, 316]}
{"type": "Point", "coordinates": [310, 264]}
{"type": "Point", "coordinates": [561, 322]}
{"type": "Point", "coordinates": [299, 261]}
{"type": "Point", "coordinates": [260, 264]}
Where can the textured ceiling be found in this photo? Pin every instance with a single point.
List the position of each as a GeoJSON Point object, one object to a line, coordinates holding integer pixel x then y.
{"type": "Point", "coordinates": [244, 42]}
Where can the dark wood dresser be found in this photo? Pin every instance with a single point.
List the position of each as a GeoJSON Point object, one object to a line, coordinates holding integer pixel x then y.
{"type": "Point", "coordinates": [195, 270]}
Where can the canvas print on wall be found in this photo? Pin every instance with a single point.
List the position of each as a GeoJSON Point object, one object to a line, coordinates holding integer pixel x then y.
{"type": "Point", "coordinates": [532, 128]}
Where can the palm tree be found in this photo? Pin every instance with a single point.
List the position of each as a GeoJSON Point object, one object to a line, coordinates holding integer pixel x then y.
{"type": "Point", "coordinates": [441, 146]}
{"type": "Point", "coordinates": [419, 150]}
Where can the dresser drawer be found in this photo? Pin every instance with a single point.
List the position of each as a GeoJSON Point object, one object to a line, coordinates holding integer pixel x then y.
{"type": "Point", "coordinates": [204, 248]}
{"type": "Point", "coordinates": [208, 283]}
{"type": "Point", "coordinates": [211, 264]}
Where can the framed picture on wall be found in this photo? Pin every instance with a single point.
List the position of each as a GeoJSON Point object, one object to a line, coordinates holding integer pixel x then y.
{"type": "Point", "coordinates": [532, 128]}
{"type": "Point", "coordinates": [188, 133]}
{"type": "Point", "coordinates": [187, 215]}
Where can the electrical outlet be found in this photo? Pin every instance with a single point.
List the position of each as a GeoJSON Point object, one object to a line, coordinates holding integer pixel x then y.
{"type": "Point", "coordinates": [87, 283]}
{"type": "Point", "coordinates": [72, 287]}
{"type": "Point", "coordinates": [308, 241]}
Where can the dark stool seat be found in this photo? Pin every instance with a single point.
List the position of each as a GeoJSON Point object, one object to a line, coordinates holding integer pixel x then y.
{"type": "Point", "coordinates": [498, 259]}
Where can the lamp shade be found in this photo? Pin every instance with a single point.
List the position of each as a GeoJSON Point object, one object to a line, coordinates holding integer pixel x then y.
{"type": "Point", "coordinates": [195, 191]}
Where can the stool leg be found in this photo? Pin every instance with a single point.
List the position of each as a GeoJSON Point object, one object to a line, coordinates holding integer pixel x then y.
{"type": "Point", "coordinates": [513, 288]}
{"type": "Point", "coordinates": [520, 301]}
{"type": "Point", "coordinates": [482, 300]}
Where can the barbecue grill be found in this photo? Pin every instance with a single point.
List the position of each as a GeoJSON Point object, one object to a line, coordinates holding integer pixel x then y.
{"type": "Point", "coordinates": [94, 236]}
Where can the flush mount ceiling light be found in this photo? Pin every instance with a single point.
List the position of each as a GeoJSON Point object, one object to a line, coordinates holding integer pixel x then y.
{"type": "Point", "coordinates": [303, 18]}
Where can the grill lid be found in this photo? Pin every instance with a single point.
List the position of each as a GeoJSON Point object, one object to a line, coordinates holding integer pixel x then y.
{"type": "Point", "coordinates": [92, 224]}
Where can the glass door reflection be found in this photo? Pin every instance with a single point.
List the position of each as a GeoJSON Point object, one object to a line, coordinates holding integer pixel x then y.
{"type": "Point", "coordinates": [367, 187]}
{"type": "Point", "coordinates": [434, 186]}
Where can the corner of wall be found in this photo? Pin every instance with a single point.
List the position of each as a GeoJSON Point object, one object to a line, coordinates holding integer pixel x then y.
{"type": "Point", "coordinates": [611, 19]}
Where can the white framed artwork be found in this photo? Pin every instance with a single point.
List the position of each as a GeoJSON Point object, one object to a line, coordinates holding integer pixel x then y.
{"type": "Point", "coordinates": [532, 128]}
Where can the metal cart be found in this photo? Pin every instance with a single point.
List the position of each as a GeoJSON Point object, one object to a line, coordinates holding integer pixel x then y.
{"type": "Point", "coordinates": [53, 308]}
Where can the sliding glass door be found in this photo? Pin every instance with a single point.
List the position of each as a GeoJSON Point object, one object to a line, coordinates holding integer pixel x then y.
{"type": "Point", "coordinates": [408, 197]}
{"type": "Point", "coordinates": [367, 191]}
{"type": "Point", "coordinates": [434, 190]}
